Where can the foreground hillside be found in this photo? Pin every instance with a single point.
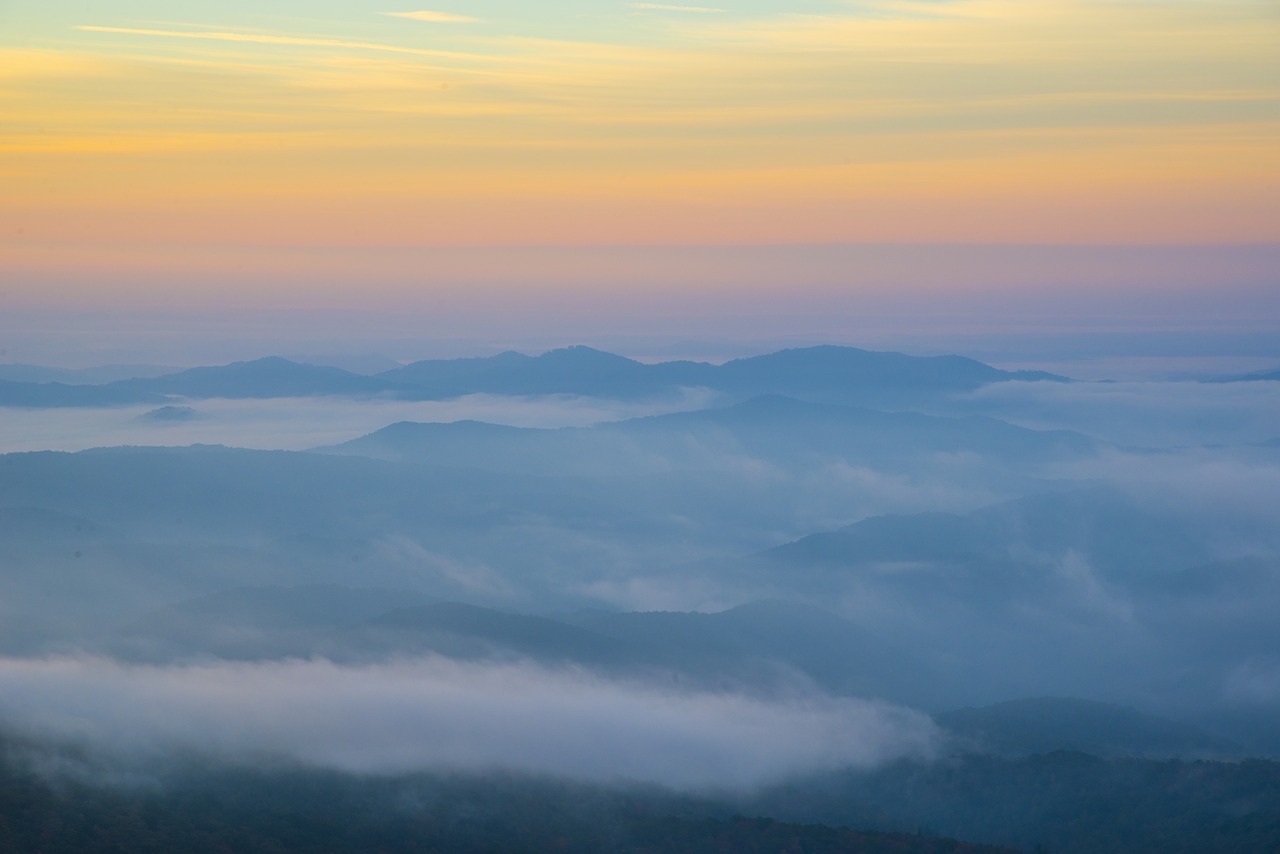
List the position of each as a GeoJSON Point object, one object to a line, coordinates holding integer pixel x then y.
{"type": "Point", "coordinates": [307, 811]}
{"type": "Point", "coordinates": [1062, 802]}
{"type": "Point", "coordinates": [1066, 803]}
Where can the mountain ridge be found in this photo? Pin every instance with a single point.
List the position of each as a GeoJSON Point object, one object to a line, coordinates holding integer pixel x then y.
{"type": "Point", "coordinates": [825, 373]}
{"type": "Point", "coordinates": [765, 426]}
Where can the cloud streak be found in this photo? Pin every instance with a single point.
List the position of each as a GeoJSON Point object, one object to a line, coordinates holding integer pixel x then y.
{"type": "Point", "coordinates": [286, 41]}
{"type": "Point", "coordinates": [436, 714]}
{"type": "Point", "coordinates": [664, 7]}
{"type": "Point", "coordinates": [434, 17]}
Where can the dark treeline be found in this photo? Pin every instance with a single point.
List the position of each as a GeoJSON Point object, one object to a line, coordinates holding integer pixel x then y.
{"type": "Point", "coordinates": [1059, 803]}
{"type": "Point", "coordinates": [298, 810]}
{"type": "Point", "coordinates": [1062, 802]}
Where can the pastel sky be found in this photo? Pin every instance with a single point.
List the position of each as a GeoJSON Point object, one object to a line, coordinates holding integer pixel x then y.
{"type": "Point", "coordinates": [157, 148]}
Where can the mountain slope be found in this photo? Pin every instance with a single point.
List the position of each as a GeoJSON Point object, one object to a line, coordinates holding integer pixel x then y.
{"type": "Point", "coordinates": [847, 374]}
{"type": "Point", "coordinates": [267, 377]}
{"type": "Point", "coordinates": [762, 640]}
{"type": "Point", "coordinates": [770, 428]}
{"type": "Point", "coordinates": [1046, 724]}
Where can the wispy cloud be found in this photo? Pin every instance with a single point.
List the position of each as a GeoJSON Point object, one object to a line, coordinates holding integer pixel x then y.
{"type": "Point", "coordinates": [434, 17]}
{"type": "Point", "coordinates": [270, 39]}
{"type": "Point", "coordinates": [665, 7]}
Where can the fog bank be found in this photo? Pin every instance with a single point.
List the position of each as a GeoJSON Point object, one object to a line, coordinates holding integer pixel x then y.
{"type": "Point", "coordinates": [435, 714]}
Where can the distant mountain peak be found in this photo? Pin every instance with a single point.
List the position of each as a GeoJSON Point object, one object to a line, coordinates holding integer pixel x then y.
{"type": "Point", "coordinates": [581, 353]}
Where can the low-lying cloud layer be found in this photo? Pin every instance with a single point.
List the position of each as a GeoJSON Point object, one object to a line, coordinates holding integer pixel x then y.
{"type": "Point", "coordinates": [298, 424]}
{"type": "Point", "coordinates": [436, 714]}
{"type": "Point", "coordinates": [1142, 414]}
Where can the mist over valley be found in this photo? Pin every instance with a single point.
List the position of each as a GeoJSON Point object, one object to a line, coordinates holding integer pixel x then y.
{"type": "Point", "coordinates": [723, 580]}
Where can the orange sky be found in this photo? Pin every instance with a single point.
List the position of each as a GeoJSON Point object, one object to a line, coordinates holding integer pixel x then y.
{"type": "Point", "coordinates": [150, 138]}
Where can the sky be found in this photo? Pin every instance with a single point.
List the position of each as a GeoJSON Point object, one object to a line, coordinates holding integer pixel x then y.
{"type": "Point", "coordinates": [477, 170]}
